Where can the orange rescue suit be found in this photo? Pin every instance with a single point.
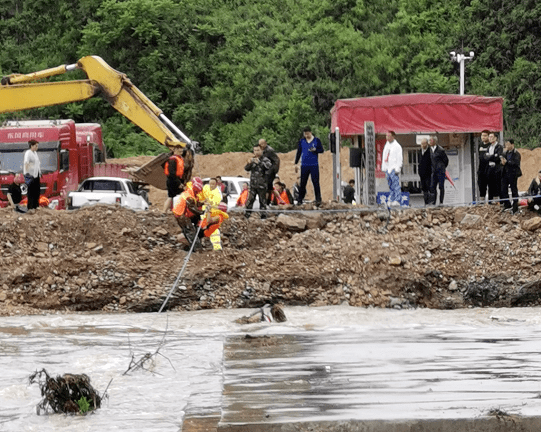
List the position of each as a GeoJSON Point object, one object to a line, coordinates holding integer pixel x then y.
{"type": "Point", "coordinates": [181, 209]}
{"type": "Point", "coordinates": [180, 166]}
{"type": "Point", "coordinates": [282, 200]}
{"type": "Point", "coordinates": [43, 201]}
{"type": "Point", "coordinates": [241, 201]}
{"type": "Point", "coordinates": [209, 229]}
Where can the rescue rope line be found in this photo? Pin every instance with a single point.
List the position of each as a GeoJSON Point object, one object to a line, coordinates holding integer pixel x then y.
{"type": "Point", "coordinates": [178, 278]}
{"type": "Point", "coordinates": [380, 206]}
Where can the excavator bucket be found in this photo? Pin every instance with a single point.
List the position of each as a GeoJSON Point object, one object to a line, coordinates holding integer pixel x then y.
{"type": "Point", "coordinates": [152, 172]}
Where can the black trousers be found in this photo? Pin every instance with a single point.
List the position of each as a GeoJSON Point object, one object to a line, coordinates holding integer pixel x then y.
{"type": "Point", "coordinates": [482, 182]}
{"type": "Point", "coordinates": [260, 192]}
{"type": "Point", "coordinates": [425, 187]}
{"type": "Point", "coordinates": [494, 183]}
{"type": "Point", "coordinates": [509, 182]}
{"type": "Point", "coordinates": [33, 194]}
{"type": "Point", "coordinates": [313, 172]}
{"type": "Point", "coordinates": [438, 179]}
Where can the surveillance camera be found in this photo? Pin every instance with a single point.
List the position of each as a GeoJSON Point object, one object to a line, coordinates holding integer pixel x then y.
{"type": "Point", "coordinates": [472, 54]}
{"type": "Point", "coordinates": [452, 53]}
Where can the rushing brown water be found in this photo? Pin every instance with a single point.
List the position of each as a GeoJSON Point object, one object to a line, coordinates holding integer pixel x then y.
{"type": "Point", "coordinates": [323, 364]}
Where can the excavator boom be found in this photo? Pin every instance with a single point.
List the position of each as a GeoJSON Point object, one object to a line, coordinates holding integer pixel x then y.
{"type": "Point", "coordinates": [19, 92]}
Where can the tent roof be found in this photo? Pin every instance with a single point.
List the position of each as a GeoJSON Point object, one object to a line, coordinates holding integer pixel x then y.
{"type": "Point", "coordinates": [418, 113]}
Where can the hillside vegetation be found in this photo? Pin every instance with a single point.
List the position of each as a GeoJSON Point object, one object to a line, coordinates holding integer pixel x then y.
{"type": "Point", "coordinates": [228, 72]}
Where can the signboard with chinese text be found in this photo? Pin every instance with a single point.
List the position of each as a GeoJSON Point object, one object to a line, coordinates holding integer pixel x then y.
{"type": "Point", "coordinates": [369, 191]}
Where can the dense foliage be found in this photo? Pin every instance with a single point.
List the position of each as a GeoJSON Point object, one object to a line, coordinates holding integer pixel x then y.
{"type": "Point", "coordinates": [231, 71]}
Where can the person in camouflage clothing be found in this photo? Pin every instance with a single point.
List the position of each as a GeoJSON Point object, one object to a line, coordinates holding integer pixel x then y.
{"type": "Point", "coordinates": [258, 166]}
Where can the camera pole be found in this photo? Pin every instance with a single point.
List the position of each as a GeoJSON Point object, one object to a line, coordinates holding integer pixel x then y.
{"type": "Point", "coordinates": [461, 58]}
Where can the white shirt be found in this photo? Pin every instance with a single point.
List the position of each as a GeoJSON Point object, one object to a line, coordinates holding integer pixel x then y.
{"type": "Point", "coordinates": [32, 159]}
{"type": "Point", "coordinates": [392, 157]}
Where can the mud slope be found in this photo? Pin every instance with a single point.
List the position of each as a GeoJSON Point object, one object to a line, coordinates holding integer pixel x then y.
{"type": "Point", "coordinates": [111, 259]}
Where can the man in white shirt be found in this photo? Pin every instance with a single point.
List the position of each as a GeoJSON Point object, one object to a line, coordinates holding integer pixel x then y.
{"type": "Point", "coordinates": [391, 165]}
{"type": "Point", "coordinates": [32, 173]}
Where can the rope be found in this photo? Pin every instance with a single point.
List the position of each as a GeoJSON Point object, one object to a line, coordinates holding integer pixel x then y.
{"type": "Point", "coordinates": [369, 209]}
{"type": "Point", "coordinates": [178, 278]}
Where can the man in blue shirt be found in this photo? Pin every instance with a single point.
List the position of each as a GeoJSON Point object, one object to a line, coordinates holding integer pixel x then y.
{"type": "Point", "coordinates": [308, 149]}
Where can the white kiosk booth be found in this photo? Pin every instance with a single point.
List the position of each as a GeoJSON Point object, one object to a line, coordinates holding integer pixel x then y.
{"type": "Point", "coordinates": [456, 120]}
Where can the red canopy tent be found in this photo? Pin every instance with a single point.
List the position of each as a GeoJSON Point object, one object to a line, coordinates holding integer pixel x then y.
{"type": "Point", "coordinates": [418, 113]}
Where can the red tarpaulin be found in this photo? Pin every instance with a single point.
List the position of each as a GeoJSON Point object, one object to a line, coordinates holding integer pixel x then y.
{"type": "Point", "coordinates": [418, 113]}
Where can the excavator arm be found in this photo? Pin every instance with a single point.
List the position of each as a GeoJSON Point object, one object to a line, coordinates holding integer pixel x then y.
{"type": "Point", "coordinates": [21, 92]}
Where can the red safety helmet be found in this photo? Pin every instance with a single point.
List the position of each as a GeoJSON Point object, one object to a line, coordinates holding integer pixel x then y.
{"type": "Point", "coordinates": [222, 207]}
{"type": "Point", "coordinates": [197, 184]}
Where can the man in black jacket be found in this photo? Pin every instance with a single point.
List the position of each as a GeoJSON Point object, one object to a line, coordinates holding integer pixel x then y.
{"type": "Point", "coordinates": [482, 179]}
{"type": "Point", "coordinates": [510, 161]}
{"type": "Point", "coordinates": [425, 169]}
{"type": "Point", "coordinates": [439, 162]}
{"type": "Point", "coordinates": [494, 168]}
{"type": "Point", "coordinates": [534, 194]}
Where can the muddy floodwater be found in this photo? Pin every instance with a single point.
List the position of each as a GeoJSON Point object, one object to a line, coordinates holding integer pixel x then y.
{"type": "Point", "coordinates": [323, 364]}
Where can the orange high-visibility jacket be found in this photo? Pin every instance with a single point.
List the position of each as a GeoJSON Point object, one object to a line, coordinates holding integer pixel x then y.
{"type": "Point", "coordinates": [210, 229]}
{"type": "Point", "coordinates": [243, 197]}
{"type": "Point", "coordinates": [180, 166]}
{"type": "Point", "coordinates": [181, 209]}
{"type": "Point", "coordinates": [282, 199]}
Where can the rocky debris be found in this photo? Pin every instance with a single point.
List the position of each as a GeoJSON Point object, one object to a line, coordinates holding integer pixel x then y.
{"type": "Point", "coordinates": [117, 260]}
{"type": "Point", "coordinates": [290, 223]}
{"type": "Point", "coordinates": [532, 224]}
{"type": "Point", "coordinates": [471, 220]}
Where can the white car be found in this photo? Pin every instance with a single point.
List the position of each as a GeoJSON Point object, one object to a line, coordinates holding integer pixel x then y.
{"type": "Point", "coordinates": [109, 190]}
{"type": "Point", "coordinates": [233, 190]}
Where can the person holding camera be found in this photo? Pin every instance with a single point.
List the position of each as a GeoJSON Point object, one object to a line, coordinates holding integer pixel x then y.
{"type": "Point", "coordinates": [307, 150]}
{"type": "Point", "coordinates": [270, 153]}
{"type": "Point", "coordinates": [258, 166]}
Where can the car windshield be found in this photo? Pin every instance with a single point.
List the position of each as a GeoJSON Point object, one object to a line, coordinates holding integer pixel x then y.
{"type": "Point", "coordinates": [102, 185]}
{"type": "Point", "coordinates": [230, 187]}
{"type": "Point", "coordinates": [11, 159]}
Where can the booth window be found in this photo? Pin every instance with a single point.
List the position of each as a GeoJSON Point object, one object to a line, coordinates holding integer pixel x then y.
{"type": "Point", "coordinates": [409, 180]}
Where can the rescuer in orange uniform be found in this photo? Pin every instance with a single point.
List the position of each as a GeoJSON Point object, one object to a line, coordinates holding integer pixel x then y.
{"type": "Point", "coordinates": [188, 210]}
{"type": "Point", "coordinates": [281, 195]}
{"type": "Point", "coordinates": [241, 201]}
{"type": "Point", "coordinates": [174, 170]}
{"type": "Point", "coordinates": [213, 220]}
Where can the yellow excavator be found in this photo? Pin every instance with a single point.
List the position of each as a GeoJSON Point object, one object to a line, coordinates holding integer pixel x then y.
{"type": "Point", "coordinates": [20, 92]}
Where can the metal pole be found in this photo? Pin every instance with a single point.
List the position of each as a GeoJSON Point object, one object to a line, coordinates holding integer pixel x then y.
{"type": "Point", "coordinates": [461, 59]}
{"type": "Point", "coordinates": [338, 192]}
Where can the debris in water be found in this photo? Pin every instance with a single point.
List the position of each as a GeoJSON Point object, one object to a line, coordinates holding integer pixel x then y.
{"type": "Point", "coordinates": [263, 314]}
{"type": "Point", "coordinates": [278, 313]}
{"type": "Point", "coordinates": [66, 394]}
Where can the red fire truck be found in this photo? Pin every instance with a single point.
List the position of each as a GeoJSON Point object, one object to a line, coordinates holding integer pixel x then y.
{"type": "Point", "coordinates": [69, 153]}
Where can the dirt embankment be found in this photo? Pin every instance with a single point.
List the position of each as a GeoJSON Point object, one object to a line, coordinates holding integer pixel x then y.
{"type": "Point", "coordinates": [112, 259]}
